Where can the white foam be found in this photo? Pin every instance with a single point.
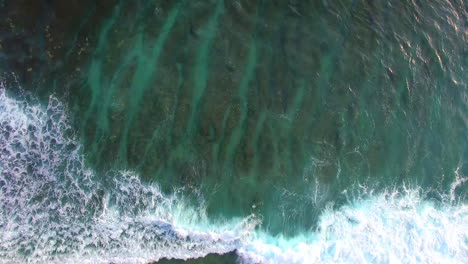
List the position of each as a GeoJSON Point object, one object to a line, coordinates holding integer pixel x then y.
{"type": "Point", "coordinates": [55, 209]}
{"type": "Point", "coordinates": [392, 227]}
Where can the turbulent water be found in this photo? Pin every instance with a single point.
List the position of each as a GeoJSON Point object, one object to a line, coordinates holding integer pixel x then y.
{"type": "Point", "coordinates": [276, 131]}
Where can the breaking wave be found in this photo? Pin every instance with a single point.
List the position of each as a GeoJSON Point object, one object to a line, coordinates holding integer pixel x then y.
{"type": "Point", "coordinates": [56, 209]}
{"type": "Point", "coordinates": [392, 227]}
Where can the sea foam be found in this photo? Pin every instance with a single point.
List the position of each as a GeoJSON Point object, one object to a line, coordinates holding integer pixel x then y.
{"type": "Point", "coordinates": [54, 208]}
{"type": "Point", "coordinates": [392, 227]}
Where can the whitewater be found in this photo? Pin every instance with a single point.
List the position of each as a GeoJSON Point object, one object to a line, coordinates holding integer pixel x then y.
{"type": "Point", "coordinates": [54, 208]}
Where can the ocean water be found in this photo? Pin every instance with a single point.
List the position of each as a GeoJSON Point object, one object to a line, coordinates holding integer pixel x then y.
{"type": "Point", "coordinates": [233, 132]}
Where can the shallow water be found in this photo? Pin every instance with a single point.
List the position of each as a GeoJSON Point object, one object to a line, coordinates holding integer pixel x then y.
{"type": "Point", "coordinates": [286, 132]}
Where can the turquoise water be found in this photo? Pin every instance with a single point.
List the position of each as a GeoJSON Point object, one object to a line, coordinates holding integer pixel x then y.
{"type": "Point", "coordinates": [279, 131]}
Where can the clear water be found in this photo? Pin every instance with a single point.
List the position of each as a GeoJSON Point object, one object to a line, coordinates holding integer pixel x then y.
{"type": "Point", "coordinates": [286, 132]}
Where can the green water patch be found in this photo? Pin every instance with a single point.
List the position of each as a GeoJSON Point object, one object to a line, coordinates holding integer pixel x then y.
{"type": "Point", "coordinates": [272, 108]}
